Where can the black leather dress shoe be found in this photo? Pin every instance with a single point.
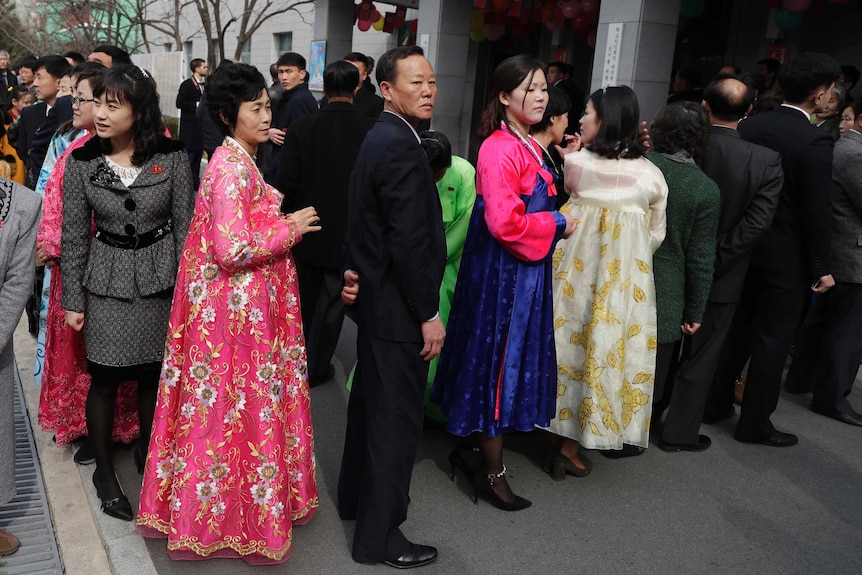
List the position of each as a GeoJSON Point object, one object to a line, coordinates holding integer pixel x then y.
{"type": "Point", "coordinates": [417, 557]}
{"type": "Point", "coordinates": [774, 439]}
{"type": "Point", "coordinates": [702, 444]}
{"type": "Point", "coordinates": [851, 418]}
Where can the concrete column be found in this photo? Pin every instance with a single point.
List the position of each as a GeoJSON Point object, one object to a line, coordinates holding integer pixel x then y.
{"type": "Point", "coordinates": [444, 34]}
{"type": "Point", "coordinates": [333, 22]}
{"type": "Point", "coordinates": [646, 49]}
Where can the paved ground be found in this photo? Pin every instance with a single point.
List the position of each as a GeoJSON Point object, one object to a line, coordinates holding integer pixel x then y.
{"type": "Point", "coordinates": [733, 509]}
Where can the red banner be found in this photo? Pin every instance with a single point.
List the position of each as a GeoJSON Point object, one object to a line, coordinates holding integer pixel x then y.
{"type": "Point", "coordinates": [400, 13]}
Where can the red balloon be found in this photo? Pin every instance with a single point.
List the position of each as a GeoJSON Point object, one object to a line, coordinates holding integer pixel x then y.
{"type": "Point", "coordinates": [589, 6]}
{"type": "Point", "coordinates": [375, 16]}
{"type": "Point", "coordinates": [581, 24]}
{"type": "Point", "coordinates": [364, 25]}
{"type": "Point", "coordinates": [572, 9]}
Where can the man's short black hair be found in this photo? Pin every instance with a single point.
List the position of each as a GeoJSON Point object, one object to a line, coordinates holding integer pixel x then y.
{"type": "Point", "coordinates": [118, 55]}
{"type": "Point", "coordinates": [357, 57]}
{"type": "Point", "coordinates": [291, 59]}
{"type": "Point", "coordinates": [75, 57]}
{"type": "Point", "coordinates": [851, 74]}
{"type": "Point", "coordinates": [386, 66]}
{"type": "Point", "coordinates": [54, 64]}
{"type": "Point", "coordinates": [340, 79]}
{"type": "Point", "coordinates": [805, 74]}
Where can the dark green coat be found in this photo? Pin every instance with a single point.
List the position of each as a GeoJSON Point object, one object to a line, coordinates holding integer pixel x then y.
{"type": "Point", "coordinates": [683, 265]}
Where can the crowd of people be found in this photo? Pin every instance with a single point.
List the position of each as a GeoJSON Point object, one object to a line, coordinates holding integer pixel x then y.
{"type": "Point", "coordinates": [592, 280]}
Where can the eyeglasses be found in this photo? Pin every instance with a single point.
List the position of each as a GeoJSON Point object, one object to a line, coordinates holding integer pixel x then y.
{"type": "Point", "coordinates": [76, 101]}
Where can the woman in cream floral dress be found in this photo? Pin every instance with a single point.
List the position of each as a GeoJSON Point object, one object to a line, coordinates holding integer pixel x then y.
{"type": "Point", "coordinates": [604, 298]}
{"type": "Point", "coordinates": [231, 465]}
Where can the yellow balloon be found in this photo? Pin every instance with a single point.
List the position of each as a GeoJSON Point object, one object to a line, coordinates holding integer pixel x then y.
{"type": "Point", "coordinates": [379, 24]}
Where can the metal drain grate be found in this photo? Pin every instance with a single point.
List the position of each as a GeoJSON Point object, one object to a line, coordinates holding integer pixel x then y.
{"type": "Point", "coordinates": [27, 515]}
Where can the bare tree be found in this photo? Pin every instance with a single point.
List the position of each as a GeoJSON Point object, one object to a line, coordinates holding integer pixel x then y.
{"type": "Point", "coordinates": [255, 12]}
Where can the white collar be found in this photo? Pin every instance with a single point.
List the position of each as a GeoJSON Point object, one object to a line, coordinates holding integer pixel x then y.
{"type": "Point", "coordinates": [412, 129]}
{"type": "Point", "coordinates": [807, 115]}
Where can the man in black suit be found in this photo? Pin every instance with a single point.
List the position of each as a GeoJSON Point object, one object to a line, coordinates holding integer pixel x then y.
{"type": "Point", "coordinates": [188, 98]}
{"type": "Point", "coordinates": [794, 258]}
{"type": "Point", "coordinates": [7, 79]}
{"type": "Point", "coordinates": [828, 359]}
{"type": "Point", "coordinates": [317, 159]}
{"type": "Point", "coordinates": [396, 243]}
{"type": "Point", "coordinates": [749, 178]}
{"type": "Point", "coordinates": [39, 121]}
{"type": "Point", "coordinates": [296, 103]}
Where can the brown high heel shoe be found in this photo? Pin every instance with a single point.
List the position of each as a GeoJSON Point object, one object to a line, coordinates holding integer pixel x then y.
{"type": "Point", "coordinates": [560, 466]}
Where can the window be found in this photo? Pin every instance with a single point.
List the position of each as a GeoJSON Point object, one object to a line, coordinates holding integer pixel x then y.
{"type": "Point", "coordinates": [167, 46]}
{"type": "Point", "coordinates": [216, 49]}
{"type": "Point", "coordinates": [188, 48]}
{"type": "Point", "coordinates": [283, 43]}
{"type": "Point", "coordinates": [245, 57]}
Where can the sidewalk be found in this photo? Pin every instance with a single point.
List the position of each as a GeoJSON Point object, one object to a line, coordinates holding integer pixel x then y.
{"type": "Point", "coordinates": [735, 508]}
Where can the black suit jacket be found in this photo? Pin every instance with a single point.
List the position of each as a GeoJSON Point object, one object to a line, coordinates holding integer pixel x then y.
{"type": "Point", "coordinates": [31, 118]}
{"type": "Point", "coordinates": [317, 159]}
{"type": "Point", "coordinates": [798, 242]}
{"type": "Point", "coordinates": [40, 138]}
{"type": "Point", "coordinates": [395, 238]}
{"type": "Point", "coordinates": [749, 178]}
{"type": "Point", "coordinates": [11, 81]}
{"type": "Point", "coordinates": [188, 97]}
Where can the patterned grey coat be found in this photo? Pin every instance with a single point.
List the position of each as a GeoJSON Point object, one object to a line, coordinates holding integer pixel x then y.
{"type": "Point", "coordinates": [19, 222]}
{"type": "Point", "coordinates": [125, 294]}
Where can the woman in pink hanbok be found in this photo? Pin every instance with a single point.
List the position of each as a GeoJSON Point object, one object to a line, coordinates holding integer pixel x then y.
{"type": "Point", "coordinates": [231, 464]}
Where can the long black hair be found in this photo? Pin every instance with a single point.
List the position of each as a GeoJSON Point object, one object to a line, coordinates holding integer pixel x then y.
{"type": "Point", "coordinates": [618, 111]}
{"type": "Point", "coordinates": [508, 75]}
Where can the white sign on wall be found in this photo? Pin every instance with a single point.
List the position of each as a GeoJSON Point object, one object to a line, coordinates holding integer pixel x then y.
{"type": "Point", "coordinates": [612, 54]}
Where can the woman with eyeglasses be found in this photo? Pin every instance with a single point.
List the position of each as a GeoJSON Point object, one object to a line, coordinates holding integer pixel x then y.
{"type": "Point", "coordinates": [136, 185]}
{"type": "Point", "coordinates": [65, 379]}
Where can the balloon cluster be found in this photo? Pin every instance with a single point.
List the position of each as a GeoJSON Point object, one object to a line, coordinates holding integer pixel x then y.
{"type": "Point", "coordinates": [367, 16]}
{"type": "Point", "coordinates": [493, 19]}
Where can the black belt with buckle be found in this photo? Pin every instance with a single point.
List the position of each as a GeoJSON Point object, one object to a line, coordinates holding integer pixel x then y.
{"type": "Point", "coordinates": [134, 242]}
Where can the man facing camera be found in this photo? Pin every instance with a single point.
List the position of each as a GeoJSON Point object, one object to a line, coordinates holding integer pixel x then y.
{"type": "Point", "coordinates": [396, 244]}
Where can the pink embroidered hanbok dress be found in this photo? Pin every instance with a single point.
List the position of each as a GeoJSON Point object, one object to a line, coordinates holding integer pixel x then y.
{"type": "Point", "coordinates": [231, 463]}
{"type": "Point", "coordinates": [65, 380]}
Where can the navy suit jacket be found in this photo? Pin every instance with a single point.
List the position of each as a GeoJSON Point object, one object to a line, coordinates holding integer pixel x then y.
{"type": "Point", "coordinates": [798, 242]}
{"type": "Point", "coordinates": [395, 237]}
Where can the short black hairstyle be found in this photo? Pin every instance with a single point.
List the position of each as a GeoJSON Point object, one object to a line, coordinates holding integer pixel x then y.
{"type": "Point", "coordinates": [805, 74]}
{"type": "Point", "coordinates": [196, 63]}
{"type": "Point", "coordinates": [851, 74]}
{"type": "Point", "coordinates": [291, 59]}
{"type": "Point", "coordinates": [561, 66]}
{"type": "Point", "coordinates": [130, 85]}
{"type": "Point", "coordinates": [118, 55]}
{"type": "Point", "coordinates": [772, 65]}
{"type": "Point", "coordinates": [89, 71]}
{"type": "Point", "coordinates": [558, 104]}
{"type": "Point", "coordinates": [27, 62]}
{"type": "Point", "coordinates": [680, 127]}
{"type": "Point", "coordinates": [340, 79]}
{"type": "Point", "coordinates": [724, 102]}
{"type": "Point", "coordinates": [357, 57]}
{"type": "Point", "coordinates": [273, 72]}
{"type": "Point", "coordinates": [618, 110]}
{"type": "Point", "coordinates": [386, 66]}
{"type": "Point", "coordinates": [75, 57]}
{"type": "Point", "coordinates": [437, 149]}
{"type": "Point", "coordinates": [227, 88]}
{"type": "Point", "coordinates": [54, 64]}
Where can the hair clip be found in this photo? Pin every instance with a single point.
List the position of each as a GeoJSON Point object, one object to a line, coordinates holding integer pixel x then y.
{"type": "Point", "coordinates": [144, 73]}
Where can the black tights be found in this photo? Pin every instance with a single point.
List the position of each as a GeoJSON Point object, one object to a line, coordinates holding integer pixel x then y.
{"type": "Point", "coordinates": [100, 413]}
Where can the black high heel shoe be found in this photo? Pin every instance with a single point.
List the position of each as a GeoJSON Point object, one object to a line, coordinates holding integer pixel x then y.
{"type": "Point", "coordinates": [458, 461]}
{"type": "Point", "coordinates": [484, 484]}
{"type": "Point", "coordinates": [140, 459]}
{"type": "Point", "coordinates": [119, 507]}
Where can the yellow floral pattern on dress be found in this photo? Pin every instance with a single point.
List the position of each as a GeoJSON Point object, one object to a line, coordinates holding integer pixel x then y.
{"type": "Point", "coordinates": [604, 303]}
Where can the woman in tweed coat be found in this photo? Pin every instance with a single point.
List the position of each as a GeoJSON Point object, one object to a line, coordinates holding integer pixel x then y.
{"type": "Point", "coordinates": [117, 289]}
